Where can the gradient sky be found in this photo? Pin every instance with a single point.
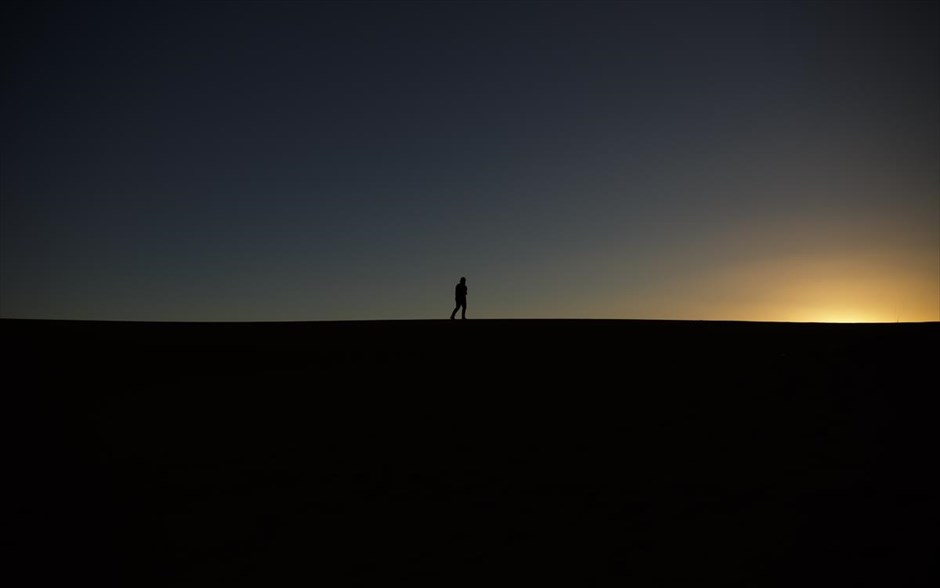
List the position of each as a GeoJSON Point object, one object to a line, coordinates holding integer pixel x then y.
{"type": "Point", "coordinates": [317, 161]}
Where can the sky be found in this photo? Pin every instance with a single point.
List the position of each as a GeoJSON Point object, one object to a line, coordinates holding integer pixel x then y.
{"type": "Point", "coordinates": [297, 161]}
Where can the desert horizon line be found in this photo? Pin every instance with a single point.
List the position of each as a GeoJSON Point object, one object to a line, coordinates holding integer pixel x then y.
{"type": "Point", "coordinates": [490, 320]}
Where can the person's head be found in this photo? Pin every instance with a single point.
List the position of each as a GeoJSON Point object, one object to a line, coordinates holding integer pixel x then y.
{"type": "Point", "coordinates": [463, 280]}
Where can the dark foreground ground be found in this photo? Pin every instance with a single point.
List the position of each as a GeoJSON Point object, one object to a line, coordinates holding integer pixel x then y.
{"type": "Point", "coordinates": [578, 453]}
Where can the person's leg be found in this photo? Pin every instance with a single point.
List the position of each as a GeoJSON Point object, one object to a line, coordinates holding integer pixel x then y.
{"type": "Point", "coordinates": [463, 309]}
{"type": "Point", "coordinates": [453, 314]}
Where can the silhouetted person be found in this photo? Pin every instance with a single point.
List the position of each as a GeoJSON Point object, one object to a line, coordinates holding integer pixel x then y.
{"type": "Point", "coordinates": [460, 295]}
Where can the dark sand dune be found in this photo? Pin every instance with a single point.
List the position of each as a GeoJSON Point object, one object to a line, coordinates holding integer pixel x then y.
{"type": "Point", "coordinates": [480, 452]}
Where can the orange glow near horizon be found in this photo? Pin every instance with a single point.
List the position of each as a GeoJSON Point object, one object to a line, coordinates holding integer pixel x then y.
{"type": "Point", "coordinates": [840, 291]}
{"type": "Point", "coordinates": [837, 289]}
